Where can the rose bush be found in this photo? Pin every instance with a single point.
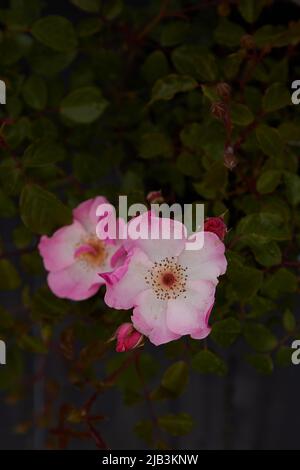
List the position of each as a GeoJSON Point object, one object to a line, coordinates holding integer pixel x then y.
{"type": "Point", "coordinates": [176, 101]}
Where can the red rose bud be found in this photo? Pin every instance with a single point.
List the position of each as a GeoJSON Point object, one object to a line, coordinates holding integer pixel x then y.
{"type": "Point", "coordinates": [155, 197]}
{"type": "Point", "coordinates": [216, 225]}
{"type": "Point", "coordinates": [127, 338]}
{"type": "Point", "coordinates": [230, 160]}
{"type": "Point", "coordinates": [219, 110]}
{"type": "Point", "coordinates": [224, 90]}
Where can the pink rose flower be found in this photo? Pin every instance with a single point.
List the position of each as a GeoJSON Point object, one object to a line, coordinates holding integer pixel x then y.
{"type": "Point", "coordinates": [127, 338]}
{"type": "Point", "coordinates": [216, 225]}
{"type": "Point", "coordinates": [74, 255]}
{"type": "Point", "coordinates": [171, 289]}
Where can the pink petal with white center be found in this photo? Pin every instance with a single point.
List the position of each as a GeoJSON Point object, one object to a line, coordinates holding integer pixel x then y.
{"type": "Point", "coordinates": [58, 251]}
{"type": "Point", "coordinates": [76, 282]}
{"type": "Point", "coordinates": [125, 283]}
{"type": "Point", "coordinates": [204, 330]}
{"type": "Point", "coordinates": [161, 237]}
{"type": "Point", "coordinates": [207, 263]}
{"type": "Point", "coordinates": [187, 313]}
{"type": "Point", "coordinates": [149, 318]}
{"type": "Point", "coordinates": [85, 213]}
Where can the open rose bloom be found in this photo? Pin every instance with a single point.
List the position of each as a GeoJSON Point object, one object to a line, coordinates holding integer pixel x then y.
{"type": "Point", "coordinates": [74, 255]}
{"type": "Point", "coordinates": [171, 289]}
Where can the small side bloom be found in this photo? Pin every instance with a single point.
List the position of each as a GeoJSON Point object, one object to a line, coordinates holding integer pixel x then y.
{"type": "Point", "coordinates": [74, 255]}
{"type": "Point", "coordinates": [128, 338]}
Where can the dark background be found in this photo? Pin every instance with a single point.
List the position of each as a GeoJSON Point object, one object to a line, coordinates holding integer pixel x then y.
{"type": "Point", "coordinates": [241, 411]}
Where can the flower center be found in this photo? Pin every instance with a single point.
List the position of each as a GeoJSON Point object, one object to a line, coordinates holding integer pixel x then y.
{"type": "Point", "coordinates": [167, 279]}
{"type": "Point", "coordinates": [92, 252]}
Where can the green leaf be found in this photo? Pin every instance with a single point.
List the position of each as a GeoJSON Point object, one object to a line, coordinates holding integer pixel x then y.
{"type": "Point", "coordinates": [191, 136]}
{"type": "Point", "coordinates": [9, 276]}
{"type": "Point", "coordinates": [155, 67]}
{"type": "Point", "coordinates": [207, 362]}
{"type": "Point", "coordinates": [261, 362]}
{"type": "Point", "coordinates": [250, 9]}
{"type": "Point", "coordinates": [213, 182]}
{"type": "Point", "coordinates": [260, 306]}
{"type": "Point", "coordinates": [232, 64]}
{"type": "Point", "coordinates": [245, 280]}
{"type": "Point", "coordinates": [228, 33]}
{"type": "Point", "coordinates": [292, 182]}
{"type": "Point", "coordinates": [276, 97]}
{"type": "Point", "coordinates": [89, 26]}
{"type": "Point", "coordinates": [176, 425]}
{"type": "Point", "coordinates": [267, 35]}
{"type": "Point", "coordinates": [55, 32]}
{"type": "Point", "coordinates": [259, 337]}
{"type": "Point", "coordinates": [90, 6]}
{"type": "Point", "coordinates": [210, 92]}
{"type": "Point", "coordinates": [83, 105]}
{"type": "Point", "coordinates": [166, 88]}
{"type": "Point", "coordinates": [175, 378]}
{"type": "Point", "coordinates": [41, 211]}
{"type": "Point", "coordinates": [11, 176]}
{"type": "Point", "coordinates": [43, 153]}
{"type": "Point", "coordinates": [270, 141]}
{"type": "Point", "coordinates": [283, 356]}
{"type": "Point", "coordinates": [174, 33]}
{"type": "Point", "coordinates": [189, 164]}
{"type": "Point", "coordinates": [155, 144]}
{"type": "Point", "coordinates": [225, 332]}
{"type": "Point", "coordinates": [112, 9]}
{"type": "Point", "coordinates": [268, 181]}
{"type": "Point", "coordinates": [288, 321]}
{"type": "Point", "coordinates": [241, 114]}
{"type": "Point", "coordinates": [195, 62]}
{"type": "Point", "coordinates": [281, 282]}
{"type": "Point", "coordinates": [35, 92]}
{"type": "Point", "coordinates": [263, 227]}
{"type": "Point", "coordinates": [267, 254]}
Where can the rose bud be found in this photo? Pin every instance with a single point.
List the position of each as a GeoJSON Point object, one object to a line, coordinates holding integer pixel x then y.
{"type": "Point", "coordinates": [216, 225]}
{"type": "Point", "coordinates": [230, 160]}
{"type": "Point", "coordinates": [128, 338]}
{"type": "Point", "coordinates": [224, 90]}
{"type": "Point", "coordinates": [155, 197]}
{"type": "Point", "coordinates": [219, 110]}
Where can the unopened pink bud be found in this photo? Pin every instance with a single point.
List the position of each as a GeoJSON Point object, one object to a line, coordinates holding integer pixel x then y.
{"type": "Point", "coordinates": [128, 338]}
